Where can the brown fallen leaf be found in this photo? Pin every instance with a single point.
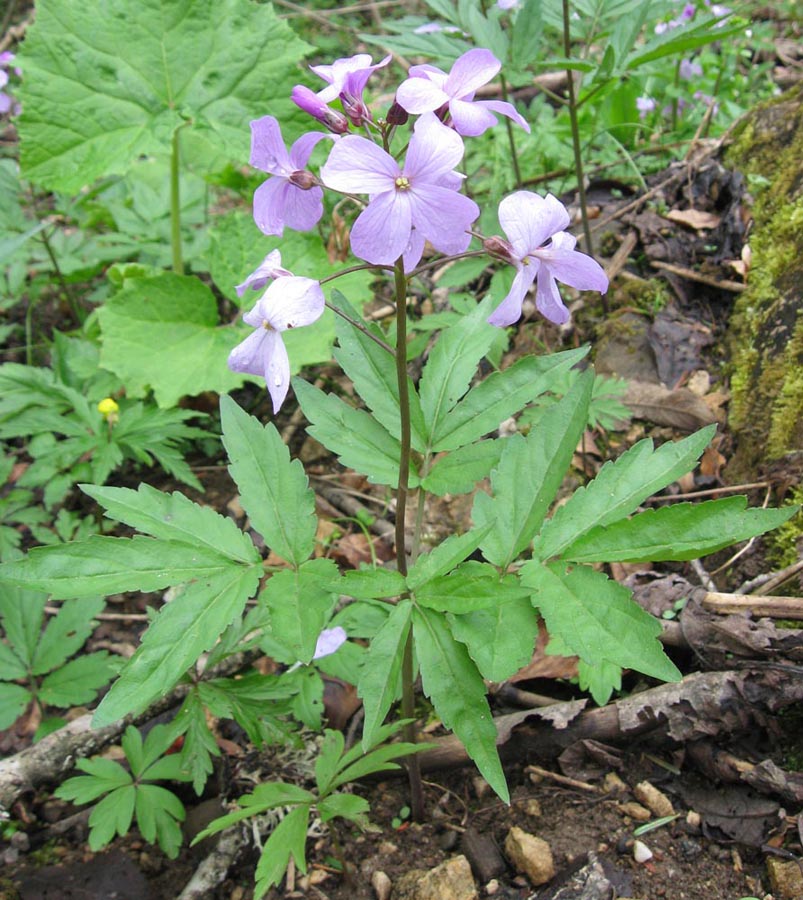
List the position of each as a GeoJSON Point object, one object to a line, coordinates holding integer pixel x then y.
{"type": "Point", "coordinates": [679, 408]}
{"type": "Point", "coordinates": [694, 218]}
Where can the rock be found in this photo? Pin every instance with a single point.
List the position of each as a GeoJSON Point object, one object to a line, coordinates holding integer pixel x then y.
{"type": "Point", "coordinates": [656, 801]}
{"type": "Point", "coordinates": [531, 855]}
{"type": "Point", "coordinates": [451, 880]}
{"type": "Point", "coordinates": [785, 878]}
{"type": "Point", "coordinates": [641, 852]}
{"type": "Point", "coordinates": [483, 855]}
{"type": "Point", "coordinates": [635, 811]}
{"type": "Point", "coordinates": [381, 885]}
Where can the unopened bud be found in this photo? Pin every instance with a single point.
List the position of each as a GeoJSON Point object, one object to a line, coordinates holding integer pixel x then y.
{"type": "Point", "coordinates": [303, 179]}
{"type": "Point", "coordinates": [357, 112]}
{"type": "Point", "coordinates": [500, 248]}
{"type": "Point", "coordinates": [397, 115]}
{"type": "Point", "coordinates": [312, 104]}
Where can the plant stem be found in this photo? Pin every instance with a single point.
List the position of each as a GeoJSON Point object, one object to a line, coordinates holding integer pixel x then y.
{"type": "Point", "coordinates": [578, 157]}
{"type": "Point", "coordinates": [514, 157]}
{"type": "Point", "coordinates": [175, 205]}
{"type": "Point", "coordinates": [408, 681]}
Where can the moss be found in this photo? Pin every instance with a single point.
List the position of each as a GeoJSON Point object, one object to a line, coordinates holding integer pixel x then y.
{"type": "Point", "coordinates": [766, 330]}
{"type": "Point", "coordinates": [783, 544]}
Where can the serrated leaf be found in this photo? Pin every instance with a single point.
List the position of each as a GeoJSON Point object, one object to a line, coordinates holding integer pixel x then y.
{"type": "Point", "coordinates": [65, 634]}
{"type": "Point", "coordinates": [500, 638]}
{"type": "Point", "coordinates": [459, 471]}
{"type": "Point", "coordinates": [367, 584]}
{"type": "Point", "coordinates": [529, 474]}
{"type": "Point", "coordinates": [346, 806]}
{"type": "Point", "coordinates": [14, 699]}
{"type": "Point", "coordinates": [600, 680]}
{"type": "Point", "coordinates": [470, 587]}
{"type": "Point", "coordinates": [379, 679]}
{"type": "Point", "coordinates": [358, 440]}
{"type": "Point", "coordinates": [199, 742]}
{"type": "Point", "coordinates": [78, 681]}
{"type": "Point", "coordinates": [158, 812]}
{"type": "Point", "coordinates": [174, 517]}
{"type": "Point", "coordinates": [597, 619]}
{"type": "Point", "coordinates": [451, 680]}
{"type": "Point", "coordinates": [155, 331]}
{"type": "Point", "coordinates": [329, 755]}
{"type": "Point", "coordinates": [126, 78]}
{"type": "Point", "coordinates": [679, 532]}
{"type": "Point", "coordinates": [288, 839]}
{"type": "Point", "coordinates": [107, 565]}
{"type": "Point", "coordinates": [307, 704]}
{"type": "Point", "coordinates": [184, 629]}
{"type": "Point", "coordinates": [11, 666]}
{"type": "Point", "coordinates": [445, 556]}
{"type": "Point", "coordinates": [372, 370]}
{"type": "Point", "coordinates": [103, 775]}
{"type": "Point", "coordinates": [300, 602]}
{"type": "Point", "coordinates": [274, 490]}
{"type": "Point", "coordinates": [382, 759]}
{"type": "Point", "coordinates": [113, 815]}
{"type": "Point", "coordinates": [499, 396]}
{"type": "Point", "coordinates": [452, 364]}
{"type": "Point", "coordinates": [619, 488]}
{"type": "Point", "coordinates": [22, 610]}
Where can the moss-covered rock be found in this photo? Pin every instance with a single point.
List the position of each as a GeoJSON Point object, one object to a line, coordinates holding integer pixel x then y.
{"type": "Point", "coordinates": [766, 329]}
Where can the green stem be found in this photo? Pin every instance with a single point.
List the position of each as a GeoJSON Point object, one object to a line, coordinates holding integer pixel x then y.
{"type": "Point", "coordinates": [175, 205]}
{"type": "Point", "coordinates": [510, 138]}
{"type": "Point", "coordinates": [408, 674]}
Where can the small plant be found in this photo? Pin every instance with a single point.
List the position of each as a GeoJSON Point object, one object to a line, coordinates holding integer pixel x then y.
{"type": "Point", "coordinates": [335, 767]}
{"type": "Point", "coordinates": [35, 664]}
{"type": "Point", "coordinates": [130, 794]}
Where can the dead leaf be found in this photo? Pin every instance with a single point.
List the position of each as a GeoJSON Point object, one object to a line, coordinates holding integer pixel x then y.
{"type": "Point", "coordinates": [543, 666]}
{"type": "Point", "coordinates": [680, 409]}
{"type": "Point", "coordinates": [694, 218]}
{"type": "Point", "coordinates": [712, 461]}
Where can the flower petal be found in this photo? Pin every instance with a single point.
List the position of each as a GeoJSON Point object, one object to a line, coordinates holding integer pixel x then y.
{"type": "Point", "coordinates": [277, 368]}
{"type": "Point", "coordinates": [414, 250]}
{"type": "Point", "coordinates": [469, 118]}
{"type": "Point", "coordinates": [303, 209]}
{"type": "Point", "coordinates": [433, 152]}
{"type": "Point", "coordinates": [248, 356]}
{"type": "Point", "coordinates": [292, 301]}
{"type": "Point", "coordinates": [420, 95]}
{"type": "Point", "coordinates": [573, 267]}
{"type": "Point", "coordinates": [529, 220]}
{"type": "Point", "coordinates": [268, 152]}
{"type": "Point", "coordinates": [509, 310]}
{"type": "Point", "coordinates": [329, 640]}
{"type": "Point", "coordinates": [382, 230]}
{"type": "Point", "coordinates": [470, 71]}
{"type": "Point", "coordinates": [504, 109]}
{"type": "Point", "coordinates": [547, 298]}
{"type": "Point", "coordinates": [357, 166]}
{"type": "Point", "coordinates": [442, 216]}
{"type": "Point", "coordinates": [302, 149]}
{"type": "Point", "coordinates": [270, 267]}
{"type": "Point", "coordinates": [270, 200]}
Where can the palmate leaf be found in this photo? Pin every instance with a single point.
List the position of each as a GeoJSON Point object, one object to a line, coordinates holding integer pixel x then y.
{"type": "Point", "coordinates": [65, 633]}
{"type": "Point", "coordinates": [125, 78]}
{"type": "Point", "coordinates": [14, 698]}
{"type": "Point", "coordinates": [21, 610]}
{"type": "Point", "coordinates": [273, 490]}
{"type": "Point", "coordinates": [113, 815]}
{"type": "Point", "coordinates": [597, 619]}
{"type": "Point", "coordinates": [184, 629]}
{"type": "Point", "coordinates": [451, 680]}
{"type": "Point", "coordinates": [459, 471]}
{"type": "Point", "coordinates": [471, 586]}
{"type": "Point", "coordinates": [445, 556]}
{"type": "Point", "coordinates": [78, 681]}
{"type": "Point", "coordinates": [529, 474]}
{"type": "Point", "coordinates": [680, 532]}
{"type": "Point", "coordinates": [288, 839]}
{"type": "Point", "coordinates": [619, 489]}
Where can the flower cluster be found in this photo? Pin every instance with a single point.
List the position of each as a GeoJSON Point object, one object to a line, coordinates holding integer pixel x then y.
{"type": "Point", "coordinates": [7, 102]}
{"type": "Point", "coordinates": [406, 199]}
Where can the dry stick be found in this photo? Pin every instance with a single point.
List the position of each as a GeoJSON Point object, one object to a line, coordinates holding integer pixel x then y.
{"type": "Point", "coordinates": [341, 500]}
{"type": "Point", "coordinates": [690, 274]}
{"type": "Point", "coordinates": [709, 492]}
{"type": "Point", "coordinates": [214, 868]}
{"type": "Point", "coordinates": [780, 577]}
{"type": "Point", "coordinates": [106, 617]}
{"type": "Point", "coordinates": [774, 607]}
{"type": "Point", "coordinates": [560, 779]}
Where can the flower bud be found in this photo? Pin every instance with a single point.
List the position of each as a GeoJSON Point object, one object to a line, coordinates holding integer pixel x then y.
{"type": "Point", "coordinates": [311, 103]}
{"type": "Point", "coordinates": [303, 179]}
{"type": "Point", "coordinates": [500, 248]}
{"type": "Point", "coordinates": [397, 115]}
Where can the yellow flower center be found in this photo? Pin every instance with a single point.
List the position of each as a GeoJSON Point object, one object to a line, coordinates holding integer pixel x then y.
{"type": "Point", "coordinates": [403, 183]}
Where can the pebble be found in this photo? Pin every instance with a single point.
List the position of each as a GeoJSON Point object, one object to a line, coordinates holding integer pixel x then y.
{"type": "Point", "coordinates": [641, 852]}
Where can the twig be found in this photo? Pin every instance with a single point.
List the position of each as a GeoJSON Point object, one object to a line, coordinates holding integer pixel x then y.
{"type": "Point", "coordinates": [705, 579]}
{"type": "Point", "coordinates": [776, 607]}
{"type": "Point", "coordinates": [561, 779]}
{"type": "Point", "coordinates": [709, 492]}
{"type": "Point", "coordinates": [106, 617]}
{"type": "Point", "coordinates": [342, 501]}
{"type": "Point", "coordinates": [689, 274]}
{"type": "Point", "coordinates": [213, 869]}
{"type": "Point", "coordinates": [780, 577]}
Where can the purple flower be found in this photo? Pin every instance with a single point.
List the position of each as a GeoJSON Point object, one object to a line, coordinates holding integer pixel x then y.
{"type": "Point", "coordinates": [429, 88]}
{"type": "Point", "coordinates": [507, 4]}
{"type": "Point", "coordinates": [292, 197]}
{"type": "Point", "coordinates": [269, 268]}
{"type": "Point", "coordinates": [329, 640]}
{"type": "Point", "coordinates": [407, 205]}
{"type": "Point", "coordinates": [540, 249]}
{"type": "Point", "coordinates": [312, 104]}
{"type": "Point", "coordinates": [289, 302]}
{"type": "Point", "coordinates": [688, 70]}
{"type": "Point", "coordinates": [353, 70]}
{"type": "Point", "coordinates": [644, 105]}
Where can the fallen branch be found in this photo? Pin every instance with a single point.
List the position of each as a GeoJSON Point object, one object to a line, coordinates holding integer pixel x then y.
{"type": "Point", "coordinates": [756, 605]}
{"type": "Point", "coordinates": [214, 868]}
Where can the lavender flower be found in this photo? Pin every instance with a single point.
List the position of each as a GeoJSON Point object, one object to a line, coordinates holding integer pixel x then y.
{"type": "Point", "coordinates": [407, 205]}
{"type": "Point", "coordinates": [7, 103]}
{"type": "Point", "coordinates": [269, 268]}
{"type": "Point", "coordinates": [540, 249]}
{"type": "Point", "coordinates": [291, 197]}
{"type": "Point", "coordinates": [644, 105]}
{"type": "Point", "coordinates": [353, 70]}
{"type": "Point", "coordinates": [329, 640]}
{"type": "Point", "coordinates": [429, 88]}
{"type": "Point", "coordinates": [312, 104]}
{"type": "Point", "coordinates": [289, 302]}
{"type": "Point", "coordinates": [689, 69]}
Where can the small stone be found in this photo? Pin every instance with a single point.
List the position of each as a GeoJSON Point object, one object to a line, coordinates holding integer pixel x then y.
{"type": "Point", "coordinates": [481, 787]}
{"type": "Point", "coordinates": [635, 811]}
{"type": "Point", "coordinates": [613, 784]}
{"type": "Point", "coordinates": [656, 801]}
{"type": "Point", "coordinates": [381, 884]}
{"type": "Point", "coordinates": [531, 808]}
{"type": "Point", "coordinates": [531, 855]}
{"type": "Point", "coordinates": [785, 878]}
{"type": "Point", "coordinates": [641, 852]}
{"type": "Point", "coordinates": [694, 820]}
{"type": "Point", "coordinates": [492, 887]}
{"type": "Point", "coordinates": [451, 880]}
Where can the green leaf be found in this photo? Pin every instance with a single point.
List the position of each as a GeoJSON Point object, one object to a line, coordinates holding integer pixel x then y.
{"type": "Point", "coordinates": [300, 603]}
{"type": "Point", "coordinates": [103, 775]}
{"type": "Point", "coordinates": [379, 679]}
{"type": "Point", "coordinates": [471, 586]}
{"type": "Point", "coordinates": [456, 688]}
{"type": "Point", "coordinates": [14, 699]}
{"type": "Point", "coordinates": [78, 681]}
{"type": "Point", "coordinates": [184, 629]}
{"type": "Point", "coordinates": [158, 812]}
{"type": "Point", "coordinates": [673, 42]}
{"type": "Point", "coordinates": [126, 78]}
{"type": "Point", "coordinates": [445, 556]}
{"type": "Point", "coordinates": [266, 796]}
{"type": "Point", "coordinates": [372, 370]}
{"type": "Point", "coordinates": [163, 333]}
{"type": "Point", "coordinates": [679, 532]}
{"type": "Point", "coordinates": [499, 396]}
{"type": "Point", "coordinates": [274, 491]}
{"type": "Point", "coordinates": [22, 610]}
{"type": "Point", "coordinates": [600, 680]}
{"type": "Point", "coordinates": [107, 565]}
{"type": "Point", "coordinates": [174, 517]}
{"type": "Point", "coordinates": [65, 634]}
{"type": "Point", "coordinates": [199, 742]}
{"type": "Point", "coordinates": [113, 815]}
{"type": "Point", "coordinates": [366, 584]}
{"type": "Point", "coordinates": [307, 705]}
{"type": "Point", "coordinates": [500, 638]}
{"type": "Point", "coordinates": [597, 619]}
{"type": "Point", "coordinates": [359, 441]}
{"type": "Point", "coordinates": [326, 765]}
{"type": "Point", "coordinates": [619, 488]}
{"type": "Point", "coordinates": [382, 759]}
{"type": "Point", "coordinates": [526, 35]}
{"type": "Point", "coordinates": [288, 839]}
{"type": "Point", "coordinates": [459, 471]}
{"type": "Point", "coordinates": [529, 474]}
{"type": "Point", "coordinates": [346, 806]}
{"type": "Point", "coordinates": [452, 364]}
